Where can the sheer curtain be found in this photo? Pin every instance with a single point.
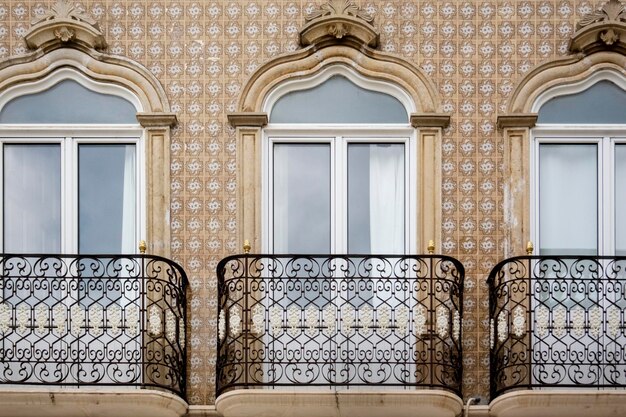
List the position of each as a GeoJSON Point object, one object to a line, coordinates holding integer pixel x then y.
{"type": "Point", "coordinates": [387, 199]}
{"type": "Point", "coordinates": [129, 201]}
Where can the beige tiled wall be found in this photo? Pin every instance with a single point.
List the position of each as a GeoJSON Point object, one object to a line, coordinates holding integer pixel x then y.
{"type": "Point", "coordinates": [203, 52]}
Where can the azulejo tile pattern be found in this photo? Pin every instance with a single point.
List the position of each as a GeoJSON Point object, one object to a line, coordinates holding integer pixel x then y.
{"type": "Point", "coordinates": [203, 52]}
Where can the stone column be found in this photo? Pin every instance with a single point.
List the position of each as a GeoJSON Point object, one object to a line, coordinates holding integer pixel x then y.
{"type": "Point", "coordinates": [157, 142]}
{"type": "Point", "coordinates": [249, 136]}
{"type": "Point", "coordinates": [430, 130]}
{"type": "Point", "coordinates": [516, 181]}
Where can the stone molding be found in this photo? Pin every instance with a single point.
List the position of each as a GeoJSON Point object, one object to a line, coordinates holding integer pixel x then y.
{"type": "Point", "coordinates": [419, 120]}
{"type": "Point", "coordinates": [247, 119]}
{"type": "Point", "coordinates": [64, 23]}
{"type": "Point", "coordinates": [519, 120]}
{"type": "Point", "coordinates": [339, 20]}
{"type": "Point", "coordinates": [157, 120]}
{"type": "Point", "coordinates": [602, 29]}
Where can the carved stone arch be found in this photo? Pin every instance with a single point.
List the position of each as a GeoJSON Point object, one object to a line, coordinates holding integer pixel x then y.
{"type": "Point", "coordinates": [340, 34]}
{"type": "Point", "coordinates": [92, 64]}
{"type": "Point", "coordinates": [366, 62]}
{"type": "Point", "coordinates": [66, 38]}
{"type": "Point", "coordinates": [570, 70]}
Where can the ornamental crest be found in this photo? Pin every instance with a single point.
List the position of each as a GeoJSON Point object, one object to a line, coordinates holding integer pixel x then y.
{"type": "Point", "coordinates": [339, 8]}
{"type": "Point", "coordinates": [612, 11]}
{"type": "Point", "coordinates": [64, 10]}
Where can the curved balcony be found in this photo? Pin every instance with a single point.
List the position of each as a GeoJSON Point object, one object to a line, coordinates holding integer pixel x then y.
{"type": "Point", "coordinates": [91, 321]}
{"type": "Point", "coordinates": [557, 328]}
{"type": "Point", "coordinates": [365, 323]}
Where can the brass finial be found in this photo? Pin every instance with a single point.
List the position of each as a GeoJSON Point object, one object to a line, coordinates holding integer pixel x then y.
{"type": "Point", "coordinates": [246, 246]}
{"type": "Point", "coordinates": [431, 247]}
{"type": "Point", "coordinates": [142, 246]}
{"type": "Point", "coordinates": [529, 248]}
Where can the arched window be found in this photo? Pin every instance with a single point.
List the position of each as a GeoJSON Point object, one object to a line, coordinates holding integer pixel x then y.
{"type": "Point", "coordinates": [579, 167]}
{"type": "Point", "coordinates": [72, 167]}
{"type": "Point", "coordinates": [339, 162]}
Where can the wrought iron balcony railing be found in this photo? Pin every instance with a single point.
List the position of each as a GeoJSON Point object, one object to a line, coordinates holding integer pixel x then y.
{"type": "Point", "coordinates": [78, 320]}
{"type": "Point", "coordinates": [557, 321]}
{"type": "Point", "coordinates": [346, 320]}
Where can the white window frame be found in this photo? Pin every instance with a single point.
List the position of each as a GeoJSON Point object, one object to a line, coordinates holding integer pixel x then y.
{"type": "Point", "coordinates": [339, 136]}
{"type": "Point", "coordinates": [605, 137]}
{"type": "Point", "coordinates": [70, 137]}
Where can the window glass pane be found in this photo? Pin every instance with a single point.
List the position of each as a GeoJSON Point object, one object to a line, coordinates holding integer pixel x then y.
{"type": "Point", "coordinates": [376, 198]}
{"type": "Point", "coordinates": [620, 199]}
{"type": "Point", "coordinates": [301, 198]}
{"type": "Point", "coordinates": [604, 102]}
{"type": "Point", "coordinates": [68, 102]}
{"type": "Point", "coordinates": [568, 199]}
{"type": "Point", "coordinates": [106, 199]}
{"type": "Point", "coordinates": [32, 198]}
{"type": "Point", "coordinates": [338, 100]}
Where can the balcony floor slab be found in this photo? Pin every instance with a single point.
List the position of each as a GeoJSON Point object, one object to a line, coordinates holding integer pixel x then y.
{"type": "Point", "coordinates": [328, 403]}
{"type": "Point", "coordinates": [88, 402]}
{"type": "Point", "coordinates": [560, 402]}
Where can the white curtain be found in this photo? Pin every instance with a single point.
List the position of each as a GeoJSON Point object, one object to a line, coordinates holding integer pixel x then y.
{"type": "Point", "coordinates": [387, 199]}
{"type": "Point", "coordinates": [280, 199]}
{"type": "Point", "coordinates": [129, 201]}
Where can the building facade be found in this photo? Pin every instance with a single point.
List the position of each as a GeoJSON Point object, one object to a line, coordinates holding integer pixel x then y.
{"type": "Point", "coordinates": [462, 130]}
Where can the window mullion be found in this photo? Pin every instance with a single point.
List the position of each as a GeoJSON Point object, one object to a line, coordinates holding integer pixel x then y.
{"type": "Point", "coordinates": [69, 187]}
{"type": "Point", "coordinates": [338, 198]}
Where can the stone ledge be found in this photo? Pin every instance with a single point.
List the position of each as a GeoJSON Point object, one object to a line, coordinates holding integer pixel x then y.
{"type": "Point", "coordinates": [327, 403]}
{"type": "Point", "coordinates": [89, 402]}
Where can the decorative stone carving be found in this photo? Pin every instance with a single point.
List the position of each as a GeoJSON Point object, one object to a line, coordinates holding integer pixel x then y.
{"type": "Point", "coordinates": [604, 28]}
{"type": "Point", "coordinates": [64, 23]}
{"type": "Point", "coordinates": [402, 320]}
{"type": "Point", "coordinates": [59, 315]}
{"type": "Point", "coordinates": [258, 319]}
{"type": "Point", "coordinates": [366, 317]}
{"type": "Point", "coordinates": [311, 317]}
{"type": "Point", "coordinates": [595, 321]}
{"type": "Point", "coordinates": [276, 320]}
{"type": "Point", "coordinates": [170, 326]}
{"type": "Point", "coordinates": [442, 322]}
{"type": "Point", "coordinates": [613, 321]}
{"type": "Point", "coordinates": [293, 321]}
{"type": "Point", "coordinates": [420, 321]}
{"type": "Point", "coordinates": [77, 320]}
{"type": "Point", "coordinates": [234, 321]}
{"type": "Point", "coordinates": [456, 326]}
{"type": "Point", "coordinates": [577, 318]}
{"type": "Point", "coordinates": [384, 320]}
{"type": "Point", "coordinates": [114, 319]}
{"type": "Point", "coordinates": [132, 320]}
{"type": "Point", "coordinates": [330, 320]}
{"type": "Point", "coordinates": [337, 20]}
{"type": "Point", "coordinates": [503, 326]}
{"type": "Point", "coordinates": [221, 326]}
{"type": "Point", "coordinates": [542, 318]}
{"type": "Point", "coordinates": [559, 314]}
{"type": "Point", "coordinates": [347, 320]}
{"type": "Point", "coordinates": [95, 319]}
{"type": "Point", "coordinates": [155, 323]}
{"type": "Point", "coordinates": [5, 317]}
{"type": "Point", "coordinates": [519, 321]}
